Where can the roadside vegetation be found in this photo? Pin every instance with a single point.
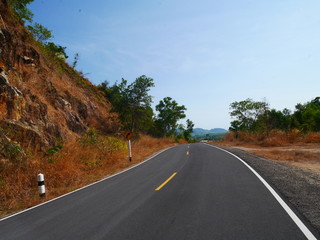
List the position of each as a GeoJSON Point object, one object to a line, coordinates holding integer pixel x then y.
{"type": "Point", "coordinates": [257, 117]}
{"type": "Point", "coordinates": [293, 137]}
{"type": "Point", "coordinates": [132, 103]}
{"type": "Point", "coordinates": [70, 165]}
{"type": "Point", "coordinates": [257, 124]}
{"type": "Point", "coordinates": [67, 166]}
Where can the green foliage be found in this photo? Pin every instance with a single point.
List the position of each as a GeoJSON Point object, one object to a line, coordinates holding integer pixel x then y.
{"type": "Point", "coordinates": [307, 116]}
{"type": "Point", "coordinates": [56, 50]}
{"type": "Point", "coordinates": [256, 117]}
{"type": "Point", "coordinates": [278, 119]}
{"type": "Point", "coordinates": [107, 144]}
{"type": "Point", "coordinates": [132, 102]}
{"type": "Point", "coordinates": [21, 10]}
{"type": "Point", "coordinates": [11, 150]}
{"type": "Point", "coordinates": [116, 145]}
{"type": "Point", "coordinates": [39, 32]}
{"type": "Point", "coordinates": [91, 137]}
{"type": "Point", "coordinates": [187, 132]}
{"type": "Point", "coordinates": [169, 115]}
{"type": "Point", "coordinates": [247, 113]}
{"type": "Point", "coordinates": [53, 150]}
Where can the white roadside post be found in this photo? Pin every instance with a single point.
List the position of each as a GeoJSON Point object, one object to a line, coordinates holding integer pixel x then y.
{"type": "Point", "coordinates": [129, 147]}
{"type": "Point", "coordinates": [128, 135]}
{"type": "Point", "coordinates": [41, 186]}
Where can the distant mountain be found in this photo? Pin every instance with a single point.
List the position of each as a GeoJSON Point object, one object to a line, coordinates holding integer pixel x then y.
{"type": "Point", "coordinates": [201, 131]}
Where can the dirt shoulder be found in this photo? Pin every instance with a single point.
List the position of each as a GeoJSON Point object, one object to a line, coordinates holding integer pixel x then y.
{"type": "Point", "coordinates": [299, 186]}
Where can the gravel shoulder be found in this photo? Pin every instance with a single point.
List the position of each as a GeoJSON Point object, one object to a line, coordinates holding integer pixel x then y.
{"type": "Point", "coordinates": [299, 188]}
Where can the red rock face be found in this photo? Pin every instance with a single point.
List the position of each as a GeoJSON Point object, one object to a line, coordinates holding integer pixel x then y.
{"type": "Point", "coordinates": [42, 99]}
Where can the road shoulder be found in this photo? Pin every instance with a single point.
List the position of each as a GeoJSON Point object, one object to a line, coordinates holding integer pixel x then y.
{"type": "Point", "coordinates": [299, 188]}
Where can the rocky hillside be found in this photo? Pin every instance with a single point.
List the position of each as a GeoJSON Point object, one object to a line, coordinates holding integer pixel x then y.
{"type": "Point", "coordinates": [43, 100]}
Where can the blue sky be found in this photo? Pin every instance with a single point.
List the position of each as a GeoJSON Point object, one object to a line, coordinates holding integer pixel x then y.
{"type": "Point", "coordinates": [205, 54]}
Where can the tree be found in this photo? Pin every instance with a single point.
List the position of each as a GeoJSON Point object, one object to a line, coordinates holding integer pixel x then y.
{"type": "Point", "coordinates": [132, 103]}
{"type": "Point", "coordinates": [307, 116]}
{"type": "Point", "coordinates": [40, 33]}
{"type": "Point", "coordinates": [278, 119]}
{"type": "Point", "coordinates": [247, 114]}
{"type": "Point", "coordinates": [21, 10]}
{"type": "Point", "coordinates": [187, 132]}
{"type": "Point", "coordinates": [169, 114]}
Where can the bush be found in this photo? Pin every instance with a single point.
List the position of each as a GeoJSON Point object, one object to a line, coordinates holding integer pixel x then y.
{"type": "Point", "coordinates": [11, 151]}
{"type": "Point", "coordinates": [56, 50]}
{"type": "Point", "coordinates": [53, 150]}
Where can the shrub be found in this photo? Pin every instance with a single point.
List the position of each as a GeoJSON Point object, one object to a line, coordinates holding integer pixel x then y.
{"type": "Point", "coordinates": [53, 150]}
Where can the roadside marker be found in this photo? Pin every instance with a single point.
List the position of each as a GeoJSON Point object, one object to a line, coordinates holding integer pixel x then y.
{"type": "Point", "coordinates": [87, 186]}
{"type": "Point", "coordinates": [130, 152]}
{"type": "Point", "coordinates": [41, 186]}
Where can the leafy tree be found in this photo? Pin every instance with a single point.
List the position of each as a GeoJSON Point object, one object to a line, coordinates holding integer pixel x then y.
{"type": "Point", "coordinates": [278, 119]}
{"type": "Point", "coordinates": [21, 10]}
{"type": "Point", "coordinates": [132, 102]}
{"type": "Point", "coordinates": [187, 132]}
{"type": "Point", "coordinates": [247, 113]}
{"type": "Point", "coordinates": [255, 116]}
{"type": "Point", "coordinates": [40, 33]}
{"type": "Point", "coordinates": [56, 50]}
{"type": "Point", "coordinates": [307, 116]}
{"type": "Point", "coordinates": [169, 114]}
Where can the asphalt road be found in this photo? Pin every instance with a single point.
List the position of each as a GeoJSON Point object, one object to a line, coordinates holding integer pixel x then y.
{"type": "Point", "coordinates": [210, 195]}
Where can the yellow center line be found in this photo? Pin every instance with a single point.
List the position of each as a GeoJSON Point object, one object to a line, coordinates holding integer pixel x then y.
{"type": "Point", "coordinates": [162, 185]}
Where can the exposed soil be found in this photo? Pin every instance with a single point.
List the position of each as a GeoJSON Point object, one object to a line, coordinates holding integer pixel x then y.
{"type": "Point", "coordinates": [297, 182]}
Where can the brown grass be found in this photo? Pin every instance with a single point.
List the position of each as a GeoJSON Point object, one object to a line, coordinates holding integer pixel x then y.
{"type": "Point", "coordinates": [75, 165]}
{"type": "Point", "coordinates": [294, 147]}
{"type": "Point", "coordinates": [274, 138]}
{"type": "Point", "coordinates": [289, 155]}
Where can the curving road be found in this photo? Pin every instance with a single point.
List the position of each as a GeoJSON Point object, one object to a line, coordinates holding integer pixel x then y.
{"type": "Point", "coordinates": [186, 192]}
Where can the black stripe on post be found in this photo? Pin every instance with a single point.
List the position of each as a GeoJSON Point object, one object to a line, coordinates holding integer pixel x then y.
{"type": "Point", "coordinates": [40, 183]}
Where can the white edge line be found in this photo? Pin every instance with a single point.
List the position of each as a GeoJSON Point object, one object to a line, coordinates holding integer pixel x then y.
{"type": "Point", "coordinates": [293, 216]}
{"type": "Point", "coordinates": [89, 185]}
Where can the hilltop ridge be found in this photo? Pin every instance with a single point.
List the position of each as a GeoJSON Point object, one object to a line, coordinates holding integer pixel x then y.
{"type": "Point", "coordinates": [201, 131]}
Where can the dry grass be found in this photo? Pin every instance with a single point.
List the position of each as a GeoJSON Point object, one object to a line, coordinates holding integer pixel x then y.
{"type": "Point", "coordinates": [289, 155]}
{"type": "Point", "coordinates": [295, 148]}
{"type": "Point", "coordinates": [75, 165]}
{"type": "Point", "coordinates": [273, 138]}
